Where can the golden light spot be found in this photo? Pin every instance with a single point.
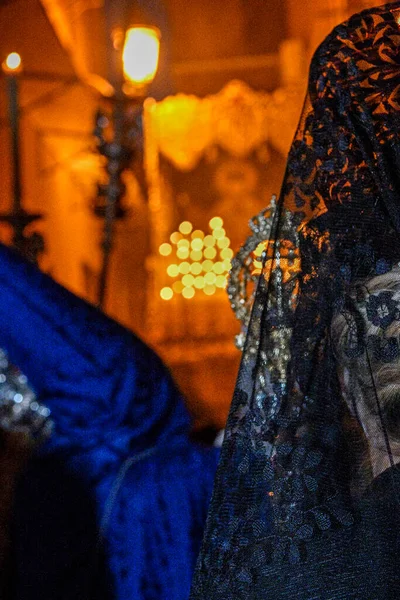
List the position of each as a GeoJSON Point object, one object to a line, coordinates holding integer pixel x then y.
{"type": "Point", "coordinates": [197, 244]}
{"type": "Point", "coordinates": [175, 237]}
{"type": "Point", "coordinates": [197, 234]}
{"type": "Point", "coordinates": [219, 233]}
{"type": "Point", "coordinates": [199, 282]}
{"type": "Point", "coordinates": [188, 280]}
{"type": "Point", "coordinates": [184, 268]}
{"type": "Point", "coordinates": [210, 253]}
{"type": "Point", "coordinates": [227, 264]}
{"type": "Point", "coordinates": [216, 223]}
{"type": "Point", "coordinates": [196, 268]}
{"type": "Point", "coordinates": [166, 293]}
{"type": "Point", "coordinates": [224, 243]}
{"type": "Point", "coordinates": [218, 268]}
{"type": "Point", "coordinates": [209, 241]}
{"type": "Point", "coordinates": [165, 249]}
{"type": "Point", "coordinates": [185, 227]}
{"type": "Point", "coordinates": [188, 292]}
{"type": "Point", "coordinates": [196, 255]}
{"type": "Point", "coordinates": [257, 264]}
{"type": "Point", "coordinates": [210, 278]}
{"type": "Point", "coordinates": [220, 281]}
{"type": "Point", "coordinates": [177, 287]}
{"type": "Point", "coordinates": [227, 253]}
{"type": "Point", "coordinates": [209, 290]}
{"type": "Point", "coordinates": [183, 244]}
{"type": "Point", "coordinates": [182, 252]}
{"type": "Point", "coordinates": [207, 266]}
{"type": "Point", "coordinates": [173, 270]}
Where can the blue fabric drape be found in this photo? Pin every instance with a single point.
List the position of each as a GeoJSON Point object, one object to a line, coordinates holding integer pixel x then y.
{"type": "Point", "coordinates": [118, 418]}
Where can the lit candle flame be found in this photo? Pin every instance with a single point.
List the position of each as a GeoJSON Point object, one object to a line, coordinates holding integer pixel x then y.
{"type": "Point", "coordinates": [140, 55]}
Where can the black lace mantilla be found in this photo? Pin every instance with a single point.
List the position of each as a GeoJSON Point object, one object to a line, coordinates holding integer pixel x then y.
{"type": "Point", "coordinates": [302, 453]}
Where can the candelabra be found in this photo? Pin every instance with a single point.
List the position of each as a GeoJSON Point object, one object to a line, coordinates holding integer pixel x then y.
{"type": "Point", "coordinates": [31, 245]}
{"type": "Point", "coordinates": [117, 129]}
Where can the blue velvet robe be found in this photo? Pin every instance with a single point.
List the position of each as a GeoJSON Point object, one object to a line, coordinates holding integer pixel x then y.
{"type": "Point", "coordinates": [114, 504]}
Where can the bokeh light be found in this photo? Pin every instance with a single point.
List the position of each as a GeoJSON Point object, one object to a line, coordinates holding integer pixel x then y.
{"type": "Point", "coordinates": [165, 249]}
{"type": "Point", "coordinates": [188, 292]}
{"type": "Point", "coordinates": [175, 237]}
{"type": "Point", "coordinates": [196, 255]}
{"type": "Point", "coordinates": [185, 227]}
{"type": "Point", "coordinates": [209, 290]}
{"type": "Point", "coordinates": [197, 244]}
{"type": "Point", "coordinates": [166, 293]}
{"type": "Point", "coordinates": [173, 270]}
{"type": "Point", "coordinates": [177, 286]}
{"type": "Point", "coordinates": [188, 280]}
{"type": "Point", "coordinates": [210, 253]}
{"type": "Point", "coordinates": [202, 261]}
{"type": "Point", "coordinates": [182, 253]}
{"type": "Point", "coordinates": [196, 268]}
{"type": "Point", "coordinates": [216, 223]}
{"type": "Point", "coordinates": [184, 268]}
{"type": "Point", "coordinates": [209, 241]}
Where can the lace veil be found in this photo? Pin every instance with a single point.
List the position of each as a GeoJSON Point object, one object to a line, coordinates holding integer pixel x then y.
{"type": "Point", "coordinates": [306, 498]}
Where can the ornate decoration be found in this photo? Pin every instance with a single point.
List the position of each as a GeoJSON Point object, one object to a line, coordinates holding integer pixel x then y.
{"type": "Point", "coordinates": [248, 264]}
{"type": "Point", "coordinates": [20, 411]}
{"type": "Point", "coordinates": [243, 277]}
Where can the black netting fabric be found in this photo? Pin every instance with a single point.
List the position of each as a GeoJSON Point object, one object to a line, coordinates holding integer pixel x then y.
{"type": "Point", "coordinates": [306, 503]}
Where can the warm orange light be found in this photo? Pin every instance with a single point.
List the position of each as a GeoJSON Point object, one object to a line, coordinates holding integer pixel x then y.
{"type": "Point", "coordinates": [13, 63]}
{"type": "Point", "coordinates": [177, 286]}
{"type": "Point", "coordinates": [140, 55]}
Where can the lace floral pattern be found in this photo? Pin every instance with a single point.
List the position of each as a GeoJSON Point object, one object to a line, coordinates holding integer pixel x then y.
{"type": "Point", "coordinates": [284, 480]}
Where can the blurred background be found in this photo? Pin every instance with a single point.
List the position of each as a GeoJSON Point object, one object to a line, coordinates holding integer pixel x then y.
{"type": "Point", "coordinates": [207, 147]}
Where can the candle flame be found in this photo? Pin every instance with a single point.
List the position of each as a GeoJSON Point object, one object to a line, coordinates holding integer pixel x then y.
{"type": "Point", "coordinates": [140, 55]}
